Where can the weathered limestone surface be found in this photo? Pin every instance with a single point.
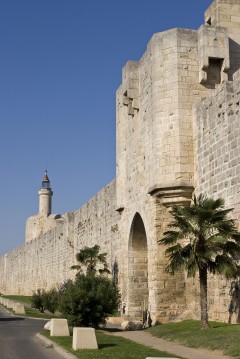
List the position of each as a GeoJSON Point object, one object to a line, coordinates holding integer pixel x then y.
{"type": "Point", "coordinates": [84, 338]}
{"type": "Point", "coordinates": [177, 133]}
{"type": "Point", "coordinates": [19, 308]}
{"type": "Point", "coordinates": [59, 328]}
{"type": "Point", "coordinates": [10, 304]}
{"type": "Point", "coordinates": [45, 261]}
{"type": "Point", "coordinates": [42, 263]}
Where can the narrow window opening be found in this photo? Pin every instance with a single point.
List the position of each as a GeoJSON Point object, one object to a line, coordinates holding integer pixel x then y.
{"type": "Point", "coordinates": [214, 71]}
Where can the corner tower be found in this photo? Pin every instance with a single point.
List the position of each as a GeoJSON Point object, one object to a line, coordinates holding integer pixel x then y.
{"type": "Point", "coordinates": [45, 197]}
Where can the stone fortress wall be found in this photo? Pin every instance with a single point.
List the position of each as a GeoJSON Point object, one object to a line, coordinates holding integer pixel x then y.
{"type": "Point", "coordinates": [218, 166]}
{"type": "Point", "coordinates": [177, 132]}
{"type": "Point", "coordinates": [45, 261]}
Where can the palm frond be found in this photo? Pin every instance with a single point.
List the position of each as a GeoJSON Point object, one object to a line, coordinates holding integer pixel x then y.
{"type": "Point", "coordinates": [226, 265]}
{"type": "Point", "coordinates": [175, 248]}
{"type": "Point", "coordinates": [212, 238]}
{"type": "Point", "coordinates": [90, 258]}
{"type": "Point", "coordinates": [171, 237]}
{"type": "Point", "coordinates": [175, 263]}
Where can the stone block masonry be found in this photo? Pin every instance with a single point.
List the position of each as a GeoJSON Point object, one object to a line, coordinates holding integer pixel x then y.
{"type": "Point", "coordinates": [218, 144]}
{"type": "Point", "coordinates": [45, 261]}
{"type": "Point", "coordinates": [177, 114]}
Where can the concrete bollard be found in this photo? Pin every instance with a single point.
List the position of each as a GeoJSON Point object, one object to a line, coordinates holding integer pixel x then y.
{"type": "Point", "coordinates": [9, 304]}
{"type": "Point", "coordinates": [84, 338]}
{"type": "Point", "coordinates": [59, 328]}
{"type": "Point", "coordinates": [19, 308]}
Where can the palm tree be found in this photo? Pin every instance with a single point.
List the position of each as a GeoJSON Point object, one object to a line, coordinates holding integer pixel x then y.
{"type": "Point", "coordinates": [202, 239]}
{"type": "Point", "coordinates": [90, 258]}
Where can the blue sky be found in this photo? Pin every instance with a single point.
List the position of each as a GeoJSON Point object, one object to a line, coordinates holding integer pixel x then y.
{"type": "Point", "coordinates": [60, 67]}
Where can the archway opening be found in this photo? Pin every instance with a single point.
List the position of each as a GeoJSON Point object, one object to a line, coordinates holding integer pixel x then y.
{"type": "Point", "coordinates": [137, 269]}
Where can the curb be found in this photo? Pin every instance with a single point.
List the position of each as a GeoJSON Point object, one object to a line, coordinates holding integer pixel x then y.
{"type": "Point", "coordinates": [49, 343]}
{"type": "Point", "coordinates": [22, 315]}
{"type": "Point", "coordinates": [8, 311]}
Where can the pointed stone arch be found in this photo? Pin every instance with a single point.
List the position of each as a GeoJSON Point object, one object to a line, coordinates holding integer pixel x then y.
{"type": "Point", "coordinates": [137, 269]}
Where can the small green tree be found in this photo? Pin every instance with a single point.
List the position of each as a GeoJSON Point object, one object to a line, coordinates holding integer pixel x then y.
{"type": "Point", "coordinates": [88, 300]}
{"type": "Point", "coordinates": [89, 259]}
{"type": "Point", "coordinates": [202, 239]}
{"type": "Point", "coordinates": [50, 300]}
{"type": "Point", "coordinates": [37, 300]}
{"type": "Point", "coordinates": [45, 300]}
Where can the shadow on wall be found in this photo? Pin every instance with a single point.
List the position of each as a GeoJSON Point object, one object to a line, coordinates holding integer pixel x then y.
{"type": "Point", "coordinates": [234, 65]}
{"type": "Point", "coordinates": [234, 307]}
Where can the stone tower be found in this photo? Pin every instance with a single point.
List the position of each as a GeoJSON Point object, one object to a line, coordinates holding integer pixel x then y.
{"type": "Point", "coordinates": [45, 197]}
{"type": "Point", "coordinates": [44, 220]}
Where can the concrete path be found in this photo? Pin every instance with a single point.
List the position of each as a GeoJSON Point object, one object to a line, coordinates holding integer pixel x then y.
{"type": "Point", "coordinates": [147, 339]}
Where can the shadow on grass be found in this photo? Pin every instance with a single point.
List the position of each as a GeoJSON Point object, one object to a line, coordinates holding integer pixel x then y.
{"type": "Point", "coordinates": [111, 330]}
{"type": "Point", "coordinates": [102, 346]}
{"type": "Point", "coordinates": [218, 325]}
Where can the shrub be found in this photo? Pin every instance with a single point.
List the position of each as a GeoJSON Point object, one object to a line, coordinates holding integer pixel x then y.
{"type": "Point", "coordinates": [37, 300]}
{"type": "Point", "coordinates": [89, 300]}
{"type": "Point", "coordinates": [45, 300]}
{"type": "Point", "coordinates": [50, 300]}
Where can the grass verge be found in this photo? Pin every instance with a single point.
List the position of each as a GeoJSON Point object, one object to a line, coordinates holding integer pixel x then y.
{"type": "Point", "coordinates": [109, 347]}
{"type": "Point", "coordinates": [220, 336]}
{"type": "Point", "coordinates": [29, 311]}
{"type": "Point", "coordinates": [25, 299]}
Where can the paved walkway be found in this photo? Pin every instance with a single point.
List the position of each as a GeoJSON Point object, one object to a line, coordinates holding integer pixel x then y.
{"type": "Point", "coordinates": [147, 339]}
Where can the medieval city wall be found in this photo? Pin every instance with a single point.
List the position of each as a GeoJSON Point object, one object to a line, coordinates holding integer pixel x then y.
{"type": "Point", "coordinates": [96, 222]}
{"type": "Point", "coordinates": [45, 261]}
{"type": "Point", "coordinates": [155, 152]}
{"type": "Point", "coordinates": [42, 263]}
{"type": "Point", "coordinates": [39, 224]}
{"type": "Point", "coordinates": [217, 171]}
{"type": "Point", "coordinates": [177, 132]}
{"type": "Point", "coordinates": [217, 144]}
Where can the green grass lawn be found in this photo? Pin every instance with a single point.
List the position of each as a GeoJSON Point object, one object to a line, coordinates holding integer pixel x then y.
{"type": "Point", "coordinates": [25, 299]}
{"type": "Point", "coordinates": [31, 312]}
{"type": "Point", "coordinates": [109, 347]}
{"type": "Point", "coordinates": [220, 336]}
